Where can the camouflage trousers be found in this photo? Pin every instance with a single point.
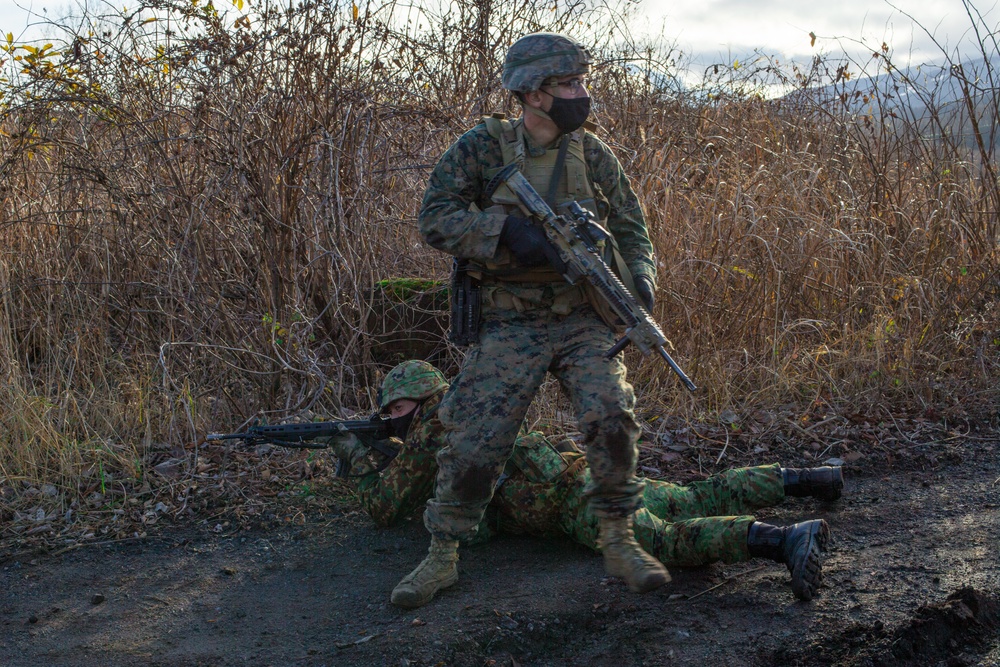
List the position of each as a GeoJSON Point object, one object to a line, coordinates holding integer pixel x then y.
{"type": "Point", "coordinates": [483, 410]}
{"type": "Point", "coordinates": [688, 525]}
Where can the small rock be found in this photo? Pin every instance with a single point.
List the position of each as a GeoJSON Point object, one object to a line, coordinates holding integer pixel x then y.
{"type": "Point", "coordinates": [229, 570]}
{"type": "Point", "coordinates": [49, 490]}
{"type": "Point", "coordinates": [834, 462]}
{"type": "Point", "coordinates": [508, 622]}
{"type": "Point", "coordinates": [97, 599]}
{"type": "Point", "coordinates": [418, 622]}
{"type": "Point", "coordinates": [169, 469]}
{"type": "Point", "coordinates": [32, 619]}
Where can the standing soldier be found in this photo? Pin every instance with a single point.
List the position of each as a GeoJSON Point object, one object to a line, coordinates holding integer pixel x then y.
{"type": "Point", "coordinates": [532, 321]}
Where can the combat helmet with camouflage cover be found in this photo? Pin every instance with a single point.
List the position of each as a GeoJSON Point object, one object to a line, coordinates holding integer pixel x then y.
{"type": "Point", "coordinates": [415, 380]}
{"type": "Point", "coordinates": [540, 56]}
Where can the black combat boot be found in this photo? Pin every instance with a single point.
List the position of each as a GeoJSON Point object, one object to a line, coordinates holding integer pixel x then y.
{"type": "Point", "coordinates": [824, 483]}
{"type": "Point", "coordinates": [800, 547]}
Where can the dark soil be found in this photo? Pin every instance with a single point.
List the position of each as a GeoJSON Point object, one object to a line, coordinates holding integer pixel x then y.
{"type": "Point", "coordinates": [911, 579]}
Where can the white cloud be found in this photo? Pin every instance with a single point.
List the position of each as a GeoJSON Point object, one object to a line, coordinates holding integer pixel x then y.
{"type": "Point", "coordinates": [713, 28]}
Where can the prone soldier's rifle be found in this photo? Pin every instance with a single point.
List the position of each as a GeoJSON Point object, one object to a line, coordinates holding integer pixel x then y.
{"type": "Point", "coordinates": [372, 432]}
{"type": "Point", "coordinates": [577, 241]}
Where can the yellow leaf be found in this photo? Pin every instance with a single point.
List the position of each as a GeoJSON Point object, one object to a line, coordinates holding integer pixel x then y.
{"type": "Point", "coordinates": [10, 38]}
{"type": "Point", "coordinates": [149, 20]}
{"type": "Point", "coordinates": [239, 4]}
{"type": "Point", "coordinates": [354, 11]}
{"type": "Point", "coordinates": [812, 39]}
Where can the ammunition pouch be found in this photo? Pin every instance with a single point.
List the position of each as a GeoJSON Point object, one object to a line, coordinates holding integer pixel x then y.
{"type": "Point", "coordinates": [538, 458]}
{"type": "Point", "coordinates": [466, 305]}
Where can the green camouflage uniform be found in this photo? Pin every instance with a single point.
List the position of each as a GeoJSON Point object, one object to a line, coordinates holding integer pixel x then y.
{"type": "Point", "coordinates": [544, 494]}
{"type": "Point", "coordinates": [527, 330]}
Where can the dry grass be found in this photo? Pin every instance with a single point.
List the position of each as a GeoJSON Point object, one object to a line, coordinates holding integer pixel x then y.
{"type": "Point", "coordinates": [194, 213]}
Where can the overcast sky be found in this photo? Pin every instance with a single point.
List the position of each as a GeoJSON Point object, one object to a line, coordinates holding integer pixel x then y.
{"type": "Point", "coordinates": [716, 30]}
{"type": "Point", "coordinates": [711, 29]}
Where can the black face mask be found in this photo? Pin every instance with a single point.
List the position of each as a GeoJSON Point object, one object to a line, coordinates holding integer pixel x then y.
{"type": "Point", "coordinates": [569, 113]}
{"type": "Point", "coordinates": [400, 425]}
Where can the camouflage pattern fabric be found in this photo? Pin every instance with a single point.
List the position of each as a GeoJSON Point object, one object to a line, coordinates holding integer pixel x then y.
{"type": "Point", "coordinates": [415, 380]}
{"type": "Point", "coordinates": [486, 404]}
{"type": "Point", "coordinates": [483, 410]}
{"type": "Point", "coordinates": [543, 55]}
{"type": "Point", "coordinates": [696, 524]}
{"type": "Point", "coordinates": [458, 180]}
{"type": "Point", "coordinates": [406, 483]}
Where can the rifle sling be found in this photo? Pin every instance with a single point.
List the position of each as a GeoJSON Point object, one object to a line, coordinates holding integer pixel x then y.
{"type": "Point", "coordinates": [550, 199]}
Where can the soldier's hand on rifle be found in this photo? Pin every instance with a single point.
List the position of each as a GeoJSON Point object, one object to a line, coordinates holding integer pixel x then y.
{"type": "Point", "coordinates": [645, 292]}
{"type": "Point", "coordinates": [346, 446]}
{"type": "Point", "coordinates": [529, 244]}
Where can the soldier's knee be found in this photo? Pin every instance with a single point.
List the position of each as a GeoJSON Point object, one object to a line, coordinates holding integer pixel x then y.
{"type": "Point", "coordinates": [474, 484]}
{"type": "Point", "coordinates": [615, 434]}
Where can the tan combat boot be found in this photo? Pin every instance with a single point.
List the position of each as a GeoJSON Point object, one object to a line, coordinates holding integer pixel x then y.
{"type": "Point", "coordinates": [439, 570]}
{"type": "Point", "coordinates": [623, 557]}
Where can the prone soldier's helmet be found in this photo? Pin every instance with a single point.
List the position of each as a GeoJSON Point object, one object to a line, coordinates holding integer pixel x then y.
{"type": "Point", "coordinates": [415, 380]}
{"type": "Point", "coordinates": [539, 56]}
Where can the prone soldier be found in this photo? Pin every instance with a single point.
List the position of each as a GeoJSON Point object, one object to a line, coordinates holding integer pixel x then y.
{"type": "Point", "coordinates": [543, 492]}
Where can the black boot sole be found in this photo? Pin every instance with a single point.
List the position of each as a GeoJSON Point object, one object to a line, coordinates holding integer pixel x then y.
{"type": "Point", "coordinates": [806, 563]}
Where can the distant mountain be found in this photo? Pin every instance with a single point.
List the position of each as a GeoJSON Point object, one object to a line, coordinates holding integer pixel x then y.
{"type": "Point", "coordinates": [934, 98]}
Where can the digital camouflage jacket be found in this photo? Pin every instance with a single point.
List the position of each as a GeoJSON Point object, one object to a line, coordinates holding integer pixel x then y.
{"type": "Point", "coordinates": [449, 223]}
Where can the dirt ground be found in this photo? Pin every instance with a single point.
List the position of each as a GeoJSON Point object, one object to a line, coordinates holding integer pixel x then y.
{"type": "Point", "coordinates": [911, 579]}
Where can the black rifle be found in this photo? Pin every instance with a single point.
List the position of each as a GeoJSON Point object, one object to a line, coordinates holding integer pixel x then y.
{"type": "Point", "coordinates": [372, 432]}
{"type": "Point", "coordinates": [577, 240]}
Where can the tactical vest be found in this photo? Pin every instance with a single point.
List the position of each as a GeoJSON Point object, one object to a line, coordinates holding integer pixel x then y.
{"type": "Point", "coordinates": [574, 184]}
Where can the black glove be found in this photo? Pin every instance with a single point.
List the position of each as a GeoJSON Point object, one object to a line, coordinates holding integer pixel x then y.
{"type": "Point", "coordinates": [529, 244]}
{"type": "Point", "coordinates": [645, 292]}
